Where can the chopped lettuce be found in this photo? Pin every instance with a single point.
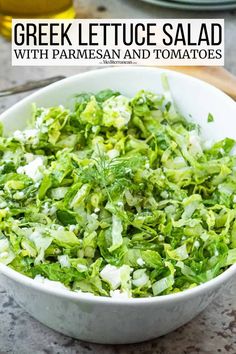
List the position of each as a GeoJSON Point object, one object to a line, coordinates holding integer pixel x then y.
{"type": "Point", "coordinates": [118, 197]}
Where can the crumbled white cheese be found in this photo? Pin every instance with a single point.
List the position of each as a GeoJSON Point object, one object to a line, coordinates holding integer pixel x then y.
{"type": "Point", "coordinates": [113, 153]}
{"type": "Point", "coordinates": [29, 157]}
{"type": "Point", "coordinates": [112, 275]}
{"type": "Point", "coordinates": [95, 128]}
{"type": "Point", "coordinates": [64, 261]}
{"type": "Point", "coordinates": [8, 156]}
{"type": "Point", "coordinates": [33, 168]}
{"type": "Point", "coordinates": [164, 194]}
{"type": "Point", "coordinates": [40, 118]}
{"type": "Point", "coordinates": [27, 135]}
{"type": "Point", "coordinates": [140, 261]}
{"type": "Point", "coordinates": [196, 244]}
{"type": "Point", "coordinates": [82, 267]}
{"type": "Point", "coordinates": [30, 133]}
{"type": "Point", "coordinates": [45, 209]}
{"type": "Point", "coordinates": [116, 111]}
{"type": "Point", "coordinates": [49, 210]}
{"type": "Point", "coordinates": [19, 195]}
{"type": "Point", "coordinates": [18, 135]}
{"type": "Point", "coordinates": [72, 228]}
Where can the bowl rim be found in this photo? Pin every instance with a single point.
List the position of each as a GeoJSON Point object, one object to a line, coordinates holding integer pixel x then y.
{"type": "Point", "coordinates": [19, 278]}
{"type": "Point", "coordinates": [212, 284]}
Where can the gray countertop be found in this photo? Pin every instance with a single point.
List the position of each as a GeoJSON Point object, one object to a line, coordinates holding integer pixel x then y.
{"type": "Point", "coordinates": [213, 331]}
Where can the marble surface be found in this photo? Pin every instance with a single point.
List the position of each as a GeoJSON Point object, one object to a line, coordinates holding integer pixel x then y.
{"type": "Point", "coordinates": [212, 332]}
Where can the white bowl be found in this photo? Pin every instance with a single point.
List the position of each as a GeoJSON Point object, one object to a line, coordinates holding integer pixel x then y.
{"type": "Point", "coordinates": [109, 320]}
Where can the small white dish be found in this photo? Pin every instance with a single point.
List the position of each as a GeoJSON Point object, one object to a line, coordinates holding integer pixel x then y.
{"type": "Point", "coordinates": [195, 6]}
{"type": "Point", "coordinates": [110, 320]}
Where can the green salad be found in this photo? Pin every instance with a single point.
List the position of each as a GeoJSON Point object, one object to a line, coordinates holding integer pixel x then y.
{"type": "Point", "coordinates": [118, 197]}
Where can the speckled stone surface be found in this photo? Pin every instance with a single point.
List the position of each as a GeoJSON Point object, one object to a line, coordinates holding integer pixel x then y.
{"type": "Point", "coordinates": [212, 332]}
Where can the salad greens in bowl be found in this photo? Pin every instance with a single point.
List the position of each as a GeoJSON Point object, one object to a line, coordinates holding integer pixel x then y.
{"type": "Point", "coordinates": [116, 199]}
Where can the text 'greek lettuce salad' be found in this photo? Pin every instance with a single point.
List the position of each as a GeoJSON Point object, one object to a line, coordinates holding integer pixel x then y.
{"type": "Point", "coordinates": [119, 197]}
